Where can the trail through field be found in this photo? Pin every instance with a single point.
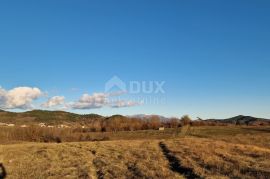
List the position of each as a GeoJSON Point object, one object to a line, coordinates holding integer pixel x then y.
{"type": "Point", "coordinates": [175, 163]}
{"type": "Point", "coordinates": [3, 173]}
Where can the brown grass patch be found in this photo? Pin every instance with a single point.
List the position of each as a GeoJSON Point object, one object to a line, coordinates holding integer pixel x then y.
{"type": "Point", "coordinates": [212, 158]}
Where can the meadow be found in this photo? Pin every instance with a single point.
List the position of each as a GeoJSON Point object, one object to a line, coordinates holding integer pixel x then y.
{"type": "Point", "coordinates": [187, 152]}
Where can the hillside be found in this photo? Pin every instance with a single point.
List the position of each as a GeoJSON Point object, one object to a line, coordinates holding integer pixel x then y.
{"type": "Point", "coordinates": [242, 120]}
{"type": "Point", "coordinates": [86, 122]}
{"type": "Point", "coordinates": [38, 116]}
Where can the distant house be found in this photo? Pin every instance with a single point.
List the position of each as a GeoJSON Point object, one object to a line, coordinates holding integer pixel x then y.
{"type": "Point", "coordinates": [42, 125]}
{"type": "Point", "coordinates": [50, 126]}
{"type": "Point", "coordinates": [10, 125]}
{"type": "Point", "coordinates": [3, 124]}
{"type": "Point", "coordinates": [23, 126]}
{"type": "Point", "coordinates": [63, 126]}
{"type": "Point", "coordinates": [161, 128]}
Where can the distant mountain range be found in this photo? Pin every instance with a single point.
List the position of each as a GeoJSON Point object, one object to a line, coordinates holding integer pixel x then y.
{"type": "Point", "coordinates": [38, 116]}
{"type": "Point", "coordinates": [145, 116]}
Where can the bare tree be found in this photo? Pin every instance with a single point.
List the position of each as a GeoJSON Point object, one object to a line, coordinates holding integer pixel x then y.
{"type": "Point", "coordinates": [185, 120]}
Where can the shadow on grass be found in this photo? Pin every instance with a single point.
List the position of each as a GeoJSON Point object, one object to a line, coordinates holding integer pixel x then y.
{"type": "Point", "coordinates": [175, 164]}
{"type": "Point", "coordinates": [3, 172]}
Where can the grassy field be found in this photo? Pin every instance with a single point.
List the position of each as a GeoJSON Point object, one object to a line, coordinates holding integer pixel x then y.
{"type": "Point", "coordinates": [199, 152]}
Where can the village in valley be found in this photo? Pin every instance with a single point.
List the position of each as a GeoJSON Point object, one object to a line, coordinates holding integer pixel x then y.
{"type": "Point", "coordinates": [43, 125]}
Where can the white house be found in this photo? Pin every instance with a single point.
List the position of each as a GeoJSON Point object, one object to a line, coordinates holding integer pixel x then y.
{"type": "Point", "coordinates": [42, 125]}
{"type": "Point", "coordinates": [161, 129]}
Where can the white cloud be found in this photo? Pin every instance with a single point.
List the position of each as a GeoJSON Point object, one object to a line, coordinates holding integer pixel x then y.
{"type": "Point", "coordinates": [97, 100]}
{"type": "Point", "coordinates": [22, 98]}
{"type": "Point", "coordinates": [54, 101]}
{"type": "Point", "coordinates": [3, 97]}
{"type": "Point", "coordinates": [19, 98]}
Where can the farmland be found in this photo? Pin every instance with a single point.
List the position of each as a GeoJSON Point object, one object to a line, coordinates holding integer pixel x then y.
{"type": "Point", "coordinates": [192, 152]}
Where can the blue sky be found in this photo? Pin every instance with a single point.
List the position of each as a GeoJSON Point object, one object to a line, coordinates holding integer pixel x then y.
{"type": "Point", "coordinates": [214, 56]}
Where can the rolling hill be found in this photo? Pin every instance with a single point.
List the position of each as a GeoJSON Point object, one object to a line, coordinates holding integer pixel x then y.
{"type": "Point", "coordinates": [38, 116]}
{"type": "Point", "coordinates": [242, 120]}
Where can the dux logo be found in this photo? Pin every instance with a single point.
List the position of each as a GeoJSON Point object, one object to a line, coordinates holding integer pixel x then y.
{"type": "Point", "coordinates": [135, 87]}
{"type": "Point", "coordinates": [115, 82]}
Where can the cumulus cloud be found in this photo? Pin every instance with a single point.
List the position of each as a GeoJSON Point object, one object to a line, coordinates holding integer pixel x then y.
{"type": "Point", "coordinates": [97, 100]}
{"type": "Point", "coordinates": [19, 98]}
{"type": "Point", "coordinates": [54, 101]}
{"type": "Point", "coordinates": [3, 97]}
{"type": "Point", "coordinates": [23, 97]}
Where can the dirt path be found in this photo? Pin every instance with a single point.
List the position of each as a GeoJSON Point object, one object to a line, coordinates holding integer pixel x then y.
{"type": "Point", "coordinates": [175, 163]}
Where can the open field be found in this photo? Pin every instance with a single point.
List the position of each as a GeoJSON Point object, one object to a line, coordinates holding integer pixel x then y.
{"type": "Point", "coordinates": [218, 159]}
{"type": "Point", "coordinates": [257, 136]}
{"type": "Point", "coordinates": [117, 159]}
{"type": "Point", "coordinates": [196, 152]}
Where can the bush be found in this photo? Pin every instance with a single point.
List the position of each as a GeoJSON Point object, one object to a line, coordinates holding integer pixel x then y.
{"type": "Point", "coordinates": [185, 120]}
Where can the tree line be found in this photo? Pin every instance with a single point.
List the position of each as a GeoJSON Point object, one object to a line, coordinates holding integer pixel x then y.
{"type": "Point", "coordinates": [122, 123]}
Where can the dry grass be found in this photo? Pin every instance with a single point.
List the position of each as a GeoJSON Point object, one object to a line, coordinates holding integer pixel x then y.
{"type": "Point", "coordinates": [45, 161]}
{"type": "Point", "coordinates": [258, 136]}
{"type": "Point", "coordinates": [208, 152]}
{"type": "Point", "coordinates": [219, 159]}
{"type": "Point", "coordinates": [118, 159]}
{"type": "Point", "coordinates": [9, 135]}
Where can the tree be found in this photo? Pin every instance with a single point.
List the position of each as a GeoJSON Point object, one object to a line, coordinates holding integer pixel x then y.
{"type": "Point", "coordinates": [185, 120]}
{"type": "Point", "coordinates": [173, 123]}
{"type": "Point", "coordinates": [154, 122]}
